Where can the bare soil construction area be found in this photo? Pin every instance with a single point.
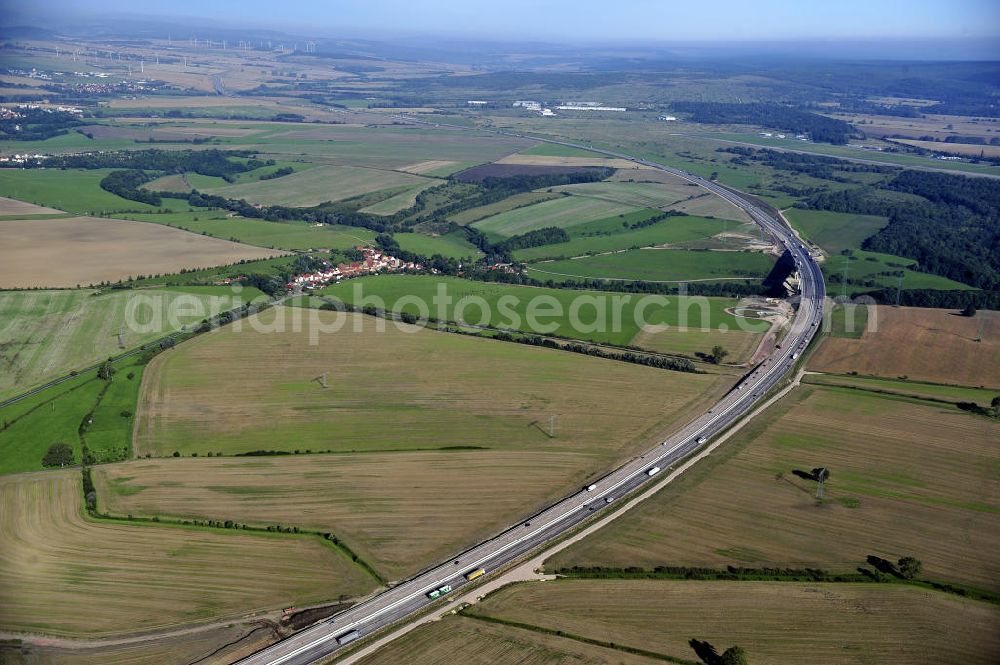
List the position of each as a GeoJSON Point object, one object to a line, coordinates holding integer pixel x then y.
{"type": "Point", "coordinates": [934, 345]}
{"type": "Point", "coordinates": [88, 250]}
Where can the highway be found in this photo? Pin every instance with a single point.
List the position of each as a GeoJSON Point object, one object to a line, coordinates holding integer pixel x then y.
{"type": "Point", "coordinates": [322, 640]}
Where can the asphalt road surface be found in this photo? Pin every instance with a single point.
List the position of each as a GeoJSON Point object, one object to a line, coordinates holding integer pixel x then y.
{"type": "Point", "coordinates": [408, 597]}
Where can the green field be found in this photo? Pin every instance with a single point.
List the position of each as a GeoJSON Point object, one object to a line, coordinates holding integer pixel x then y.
{"type": "Point", "coordinates": [658, 265]}
{"type": "Point", "coordinates": [290, 235]}
{"type": "Point", "coordinates": [671, 230]}
{"type": "Point", "coordinates": [835, 231]}
{"type": "Point", "coordinates": [72, 190]}
{"type": "Point", "coordinates": [53, 417]}
{"type": "Point", "coordinates": [394, 390]}
{"type": "Point", "coordinates": [565, 212]}
{"type": "Point", "coordinates": [323, 183]}
{"type": "Point", "coordinates": [453, 245]}
{"type": "Point", "coordinates": [591, 318]}
{"type": "Point", "coordinates": [57, 414]}
{"type": "Point", "coordinates": [907, 478]}
{"type": "Point", "coordinates": [875, 270]}
{"type": "Point", "coordinates": [401, 201]}
{"type": "Point", "coordinates": [637, 194]}
{"type": "Point", "coordinates": [45, 334]}
{"type": "Point", "coordinates": [510, 203]}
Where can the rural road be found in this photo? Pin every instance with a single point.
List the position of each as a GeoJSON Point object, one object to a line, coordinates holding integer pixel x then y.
{"type": "Point", "coordinates": [409, 597]}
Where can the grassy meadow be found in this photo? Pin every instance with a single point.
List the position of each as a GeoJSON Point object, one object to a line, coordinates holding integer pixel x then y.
{"type": "Point", "coordinates": [402, 389]}
{"type": "Point", "coordinates": [671, 230]}
{"type": "Point", "coordinates": [45, 334]}
{"type": "Point", "coordinates": [657, 265]}
{"type": "Point", "coordinates": [508, 306]}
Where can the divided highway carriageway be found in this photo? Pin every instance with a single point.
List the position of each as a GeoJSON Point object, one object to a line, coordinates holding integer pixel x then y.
{"type": "Point", "coordinates": [410, 597]}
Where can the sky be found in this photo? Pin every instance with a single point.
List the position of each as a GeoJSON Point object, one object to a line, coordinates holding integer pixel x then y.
{"type": "Point", "coordinates": [581, 20]}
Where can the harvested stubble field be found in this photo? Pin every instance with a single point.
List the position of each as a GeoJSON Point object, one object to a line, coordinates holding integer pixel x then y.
{"type": "Point", "coordinates": [219, 645]}
{"type": "Point", "coordinates": [935, 345]}
{"type": "Point", "coordinates": [784, 623]}
{"type": "Point", "coordinates": [906, 479]}
{"type": "Point", "coordinates": [144, 577]}
{"type": "Point", "coordinates": [33, 253]}
{"type": "Point", "coordinates": [396, 390]}
{"type": "Point", "coordinates": [431, 166]}
{"type": "Point", "coordinates": [11, 207]}
{"type": "Point", "coordinates": [282, 235]}
{"type": "Point", "coordinates": [460, 640]}
{"type": "Point", "coordinates": [324, 183]}
{"type": "Point", "coordinates": [44, 334]}
{"type": "Point", "coordinates": [399, 511]}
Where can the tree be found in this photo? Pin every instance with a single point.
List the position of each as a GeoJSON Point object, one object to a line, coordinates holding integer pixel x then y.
{"type": "Point", "coordinates": [106, 371]}
{"type": "Point", "coordinates": [970, 310]}
{"type": "Point", "coordinates": [718, 354]}
{"type": "Point", "coordinates": [734, 656]}
{"type": "Point", "coordinates": [909, 567]}
{"type": "Point", "coordinates": [58, 454]}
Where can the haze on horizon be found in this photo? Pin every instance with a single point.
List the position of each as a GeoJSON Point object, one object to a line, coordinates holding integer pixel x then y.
{"type": "Point", "coordinates": [564, 21]}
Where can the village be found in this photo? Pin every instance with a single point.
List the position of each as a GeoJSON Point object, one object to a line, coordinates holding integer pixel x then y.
{"type": "Point", "coordinates": [373, 262]}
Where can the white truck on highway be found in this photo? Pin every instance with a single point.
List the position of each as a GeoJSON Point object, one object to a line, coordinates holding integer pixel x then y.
{"type": "Point", "coordinates": [653, 471]}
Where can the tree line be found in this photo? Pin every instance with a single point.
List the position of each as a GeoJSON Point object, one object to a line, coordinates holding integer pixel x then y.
{"type": "Point", "coordinates": [818, 127]}
{"type": "Point", "coordinates": [951, 230]}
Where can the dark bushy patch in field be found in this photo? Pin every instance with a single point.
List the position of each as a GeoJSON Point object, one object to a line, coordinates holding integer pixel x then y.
{"type": "Point", "coordinates": [480, 173]}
